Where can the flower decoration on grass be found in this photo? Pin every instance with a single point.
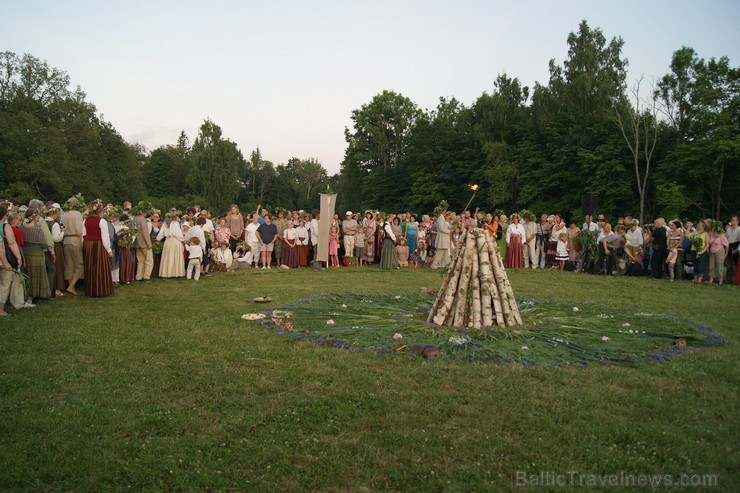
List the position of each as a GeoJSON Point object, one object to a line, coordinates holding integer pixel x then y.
{"type": "Point", "coordinates": [553, 333]}
{"type": "Point", "coordinates": [253, 316]}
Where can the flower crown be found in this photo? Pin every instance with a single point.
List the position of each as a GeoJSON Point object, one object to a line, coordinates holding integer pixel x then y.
{"type": "Point", "coordinates": [79, 205]}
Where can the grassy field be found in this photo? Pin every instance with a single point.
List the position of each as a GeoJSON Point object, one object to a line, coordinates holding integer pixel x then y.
{"type": "Point", "coordinates": [163, 387]}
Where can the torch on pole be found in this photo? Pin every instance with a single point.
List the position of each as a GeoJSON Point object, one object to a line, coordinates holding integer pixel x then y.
{"type": "Point", "coordinates": [475, 189]}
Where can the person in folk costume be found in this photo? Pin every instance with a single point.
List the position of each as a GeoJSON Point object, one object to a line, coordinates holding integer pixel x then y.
{"type": "Point", "coordinates": [127, 271]}
{"type": "Point", "coordinates": [56, 278]}
{"type": "Point", "coordinates": [11, 289]}
{"type": "Point", "coordinates": [97, 252]}
{"type": "Point", "coordinates": [369, 226]}
{"type": "Point", "coordinates": [74, 265]}
{"type": "Point", "coordinates": [144, 255]}
{"type": "Point", "coordinates": [110, 214]}
{"type": "Point", "coordinates": [155, 224]}
{"type": "Point", "coordinates": [442, 243]}
{"type": "Point", "coordinates": [515, 238]}
{"type": "Point", "coordinates": [388, 255]}
{"type": "Point", "coordinates": [291, 254]}
{"type": "Point", "coordinates": [302, 239]}
{"type": "Point", "coordinates": [172, 264]}
{"type": "Point", "coordinates": [35, 246]}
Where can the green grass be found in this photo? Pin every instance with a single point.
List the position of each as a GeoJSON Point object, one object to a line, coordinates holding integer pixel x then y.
{"type": "Point", "coordinates": [164, 387]}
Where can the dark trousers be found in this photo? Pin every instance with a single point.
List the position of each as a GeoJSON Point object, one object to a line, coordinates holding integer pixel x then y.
{"type": "Point", "coordinates": [657, 261]}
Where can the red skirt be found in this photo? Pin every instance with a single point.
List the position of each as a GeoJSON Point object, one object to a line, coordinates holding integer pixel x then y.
{"type": "Point", "coordinates": [127, 274]}
{"type": "Point", "coordinates": [302, 254]}
{"type": "Point", "coordinates": [291, 256]}
{"type": "Point", "coordinates": [514, 254]}
{"type": "Point", "coordinates": [98, 280]}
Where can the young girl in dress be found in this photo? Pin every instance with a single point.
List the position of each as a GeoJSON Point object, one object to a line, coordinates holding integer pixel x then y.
{"type": "Point", "coordinates": [403, 252]}
{"type": "Point", "coordinates": [334, 247]}
{"type": "Point", "coordinates": [360, 248]}
{"type": "Point", "coordinates": [561, 254]}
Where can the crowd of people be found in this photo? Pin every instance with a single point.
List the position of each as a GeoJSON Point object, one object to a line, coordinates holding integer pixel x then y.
{"type": "Point", "coordinates": [47, 249]}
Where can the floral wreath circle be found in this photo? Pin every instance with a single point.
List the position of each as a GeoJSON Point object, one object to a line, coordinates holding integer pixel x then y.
{"type": "Point", "coordinates": [554, 334]}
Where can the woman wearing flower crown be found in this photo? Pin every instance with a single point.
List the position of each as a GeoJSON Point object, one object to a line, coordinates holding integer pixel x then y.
{"type": "Point", "coordinates": [97, 252]}
{"type": "Point", "coordinates": [172, 264]}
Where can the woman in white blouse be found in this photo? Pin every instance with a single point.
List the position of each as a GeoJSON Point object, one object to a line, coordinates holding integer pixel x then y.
{"type": "Point", "coordinates": [515, 238]}
{"type": "Point", "coordinates": [172, 263]}
{"type": "Point", "coordinates": [302, 238]}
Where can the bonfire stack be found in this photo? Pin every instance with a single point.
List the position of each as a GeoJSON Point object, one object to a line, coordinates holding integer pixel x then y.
{"type": "Point", "coordinates": [476, 292]}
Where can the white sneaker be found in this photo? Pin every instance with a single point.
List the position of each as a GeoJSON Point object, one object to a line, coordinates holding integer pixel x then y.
{"type": "Point", "coordinates": [269, 267]}
{"type": "Point", "coordinates": [27, 305]}
{"type": "Point", "coordinates": [263, 267]}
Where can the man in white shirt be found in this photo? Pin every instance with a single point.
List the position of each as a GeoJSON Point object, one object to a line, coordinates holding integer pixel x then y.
{"type": "Point", "coordinates": [314, 227]}
{"type": "Point", "coordinates": [588, 224]}
{"type": "Point", "coordinates": [530, 243]}
{"type": "Point", "coordinates": [349, 228]}
{"type": "Point", "coordinates": [733, 238]}
{"type": "Point", "coordinates": [252, 240]}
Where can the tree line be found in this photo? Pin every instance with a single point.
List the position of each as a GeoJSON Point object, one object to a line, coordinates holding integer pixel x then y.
{"type": "Point", "coordinates": [668, 148]}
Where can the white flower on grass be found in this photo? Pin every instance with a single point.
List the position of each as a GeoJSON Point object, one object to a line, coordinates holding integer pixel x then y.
{"type": "Point", "coordinates": [576, 309]}
{"type": "Point", "coordinates": [626, 324]}
{"type": "Point", "coordinates": [525, 348]}
{"type": "Point", "coordinates": [458, 340]}
{"type": "Point", "coordinates": [604, 338]}
{"type": "Point", "coordinates": [397, 297]}
{"type": "Point", "coordinates": [343, 305]}
{"type": "Point", "coordinates": [330, 322]}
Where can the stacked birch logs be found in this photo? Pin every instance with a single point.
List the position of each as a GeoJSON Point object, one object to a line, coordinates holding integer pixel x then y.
{"type": "Point", "coordinates": [476, 292]}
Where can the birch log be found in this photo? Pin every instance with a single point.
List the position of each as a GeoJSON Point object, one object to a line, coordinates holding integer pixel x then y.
{"type": "Point", "coordinates": [476, 291]}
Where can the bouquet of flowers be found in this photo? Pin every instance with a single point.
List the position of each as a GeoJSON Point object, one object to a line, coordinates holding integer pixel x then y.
{"type": "Point", "coordinates": [697, 243]}
{"type": "Point", "coordinates": [587, 240]}
{"type": "Point", "coordinates": [157, 247]}
{"type": "Point", "coordinates": [127, 235]}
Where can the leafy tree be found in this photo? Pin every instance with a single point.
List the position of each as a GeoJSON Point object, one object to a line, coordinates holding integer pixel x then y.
{"type": "Point", "coordinates": [703, 167]}
{"type": "Point", "coordinates": [637, 121]}
{"type": "Point", "coordinates": [214, 167]}
{"type": "Point", "coordinates": [377, 144]}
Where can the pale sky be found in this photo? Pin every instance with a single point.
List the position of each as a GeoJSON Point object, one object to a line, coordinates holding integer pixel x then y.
{"type": "Point", "coordinates": [286, 75]}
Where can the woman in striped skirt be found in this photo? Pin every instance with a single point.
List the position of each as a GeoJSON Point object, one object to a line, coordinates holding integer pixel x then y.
{"type": "Point", "coordinates": [34, 246]}
{"type": "Point", "coordinates": [97, 252]}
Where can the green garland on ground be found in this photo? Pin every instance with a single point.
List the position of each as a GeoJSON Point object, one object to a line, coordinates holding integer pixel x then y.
{"type": "Point", "coordinates": [554, 333]}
